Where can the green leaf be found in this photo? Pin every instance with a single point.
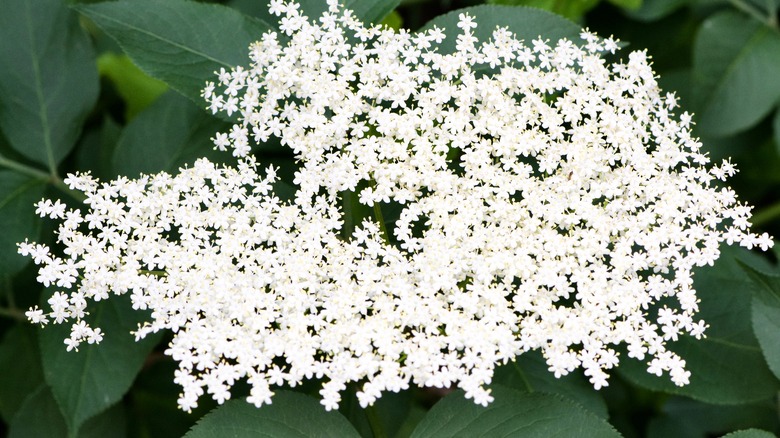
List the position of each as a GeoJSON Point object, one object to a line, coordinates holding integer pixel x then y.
{"type": "Point", "coordinates": [766, 325]}
{"type": "Point", "coordinates": [735, 65]}
{"type": "Point", "coordinates": [48, 82]}
{"type": "Point", "coordinates": [718, 362]}
{"type": "Point", "coordinates": [512, 413]}
{"type": "Point", "coordinates": [573, 10]}
{"type": "Point", "coordinates": [179, 42]}
{"type": "Point", "coordinates": [136, 88]}
{"type": "Point", "coordinates": [529, 374]}
{"type": "Point", "coordinates": [390, 411]}
{"type": "Point", "coordinates": [759, 169]}
{"type": "Point", "coordinates": [369, 11]}
{"type": "Point", "coordinates": [18, 220]}
{"type": "Point", "coordinates": [170, 133]}
{"type": "Point", "coordinates": [95, 151]}
{"type": "Point", "coordinates": [526, 23]}
{"type": "Point", "coordinates": [154, 398]}
{"type": "Point", "coordinates": [88, 381]}
{"type": "Point", "coordinates": [111, 423]}
{"type": "Point", "coordinates": [688, 418]}
{"type": "Point", "coordinates": [20, 368]}
{"type": "Point", "coordinates": [393, 20]}
{"type": "Point", "coordinates": [750, 433]}
{"type": "Point", "coordinates": [290, 415]}
{"type": "Point", "coordinates": [627, 4]}
{"type": "Point", "coordinates": [667, 427]}
{"type": "Point", "coordinates": [416, 414]}
{"type": "Point", "coordinates": [39, 416]}
{"type": "Point", "coordinates": [255, 9]}
{"type": "Point", "coordinates": [776, 129]}
{"type": "Point", "coordinates": [766, 314]}
{"type": "Point", "coordinates": [652, 10]}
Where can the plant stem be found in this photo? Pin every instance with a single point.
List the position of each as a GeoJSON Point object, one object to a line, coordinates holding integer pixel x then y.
{"type": "Point", "coordinates": [374, 422]}
{"type": "Point", "coordinates": [23, 168]}
{"type": "Point", "coordinates": [771, 9]}
{"type": "Point", "coordinates": [37, 173]}
{"type": "Point", "coordinates": [12, 314]}
{"type": "Point", "coordinates": [78, 196]}
{"type": "Point", "coordinates": [769, 19]}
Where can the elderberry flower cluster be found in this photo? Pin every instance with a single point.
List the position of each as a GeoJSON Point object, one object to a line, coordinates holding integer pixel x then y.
{"type": "Point", "coordinates": [548, 200]}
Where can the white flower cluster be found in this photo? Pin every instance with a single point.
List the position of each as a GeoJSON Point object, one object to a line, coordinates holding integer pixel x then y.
{"type": "Point", "coordinates": [549, 200]}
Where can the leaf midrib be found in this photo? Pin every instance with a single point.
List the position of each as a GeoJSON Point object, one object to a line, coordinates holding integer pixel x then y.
{"type": "Point", "coordinates": [42, 105]}
{"type": "Point", "coordinates": [161, 38]}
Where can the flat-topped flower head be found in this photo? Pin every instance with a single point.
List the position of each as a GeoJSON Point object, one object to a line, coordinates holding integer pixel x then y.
{"type": "Point", "coordinates": [549, 200]}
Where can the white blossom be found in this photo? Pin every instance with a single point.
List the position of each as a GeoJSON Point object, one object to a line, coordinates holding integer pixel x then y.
{"type": "Point", "coordinates": [549, 199]}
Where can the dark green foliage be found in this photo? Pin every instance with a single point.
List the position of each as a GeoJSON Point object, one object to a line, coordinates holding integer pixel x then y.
{"type": "Point", "coordinates": [57, 116]}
